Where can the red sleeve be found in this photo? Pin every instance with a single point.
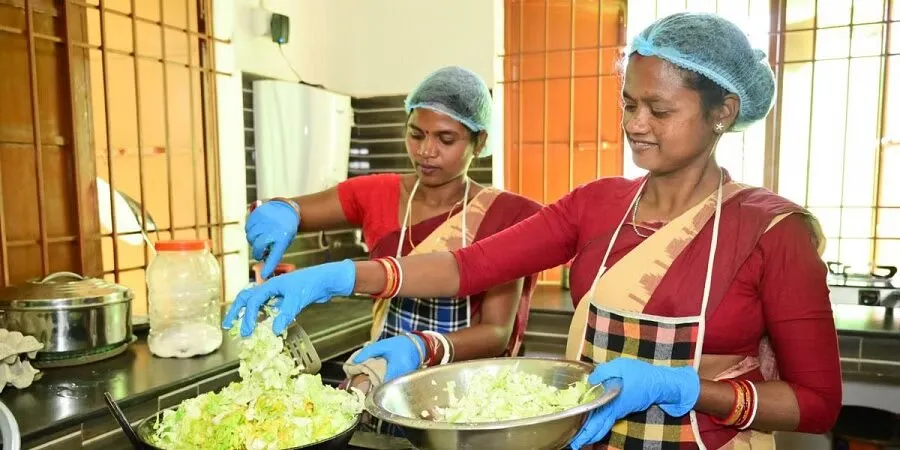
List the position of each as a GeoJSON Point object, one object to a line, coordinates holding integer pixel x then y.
{"type": "Point", "coordinates": [799, 322]}
{"type": "Point", "coordinates": [354, 194]}
{"type": "Point", "coordinates": [546, 239]}
{"type": "Point", "coordinates": [370, 201]}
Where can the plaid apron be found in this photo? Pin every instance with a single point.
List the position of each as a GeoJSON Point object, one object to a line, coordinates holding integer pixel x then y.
{"type": "Point", "coordinates": [392, 317]}
{"type": "Point", "coordinates": [609, 323]}
{"type": "Point", "coordinates": [395, 316]}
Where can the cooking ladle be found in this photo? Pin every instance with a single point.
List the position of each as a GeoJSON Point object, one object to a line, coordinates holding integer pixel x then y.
{"type": "Point", "coordinates": [123, 422]}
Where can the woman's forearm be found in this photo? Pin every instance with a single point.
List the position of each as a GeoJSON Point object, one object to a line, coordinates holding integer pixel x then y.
{"type": "Point", "coordinates": [777, 411]}
{"type": "Point", "coordinates": [429, 275]}
{"type": "Point", "coordinates": [477, 341]}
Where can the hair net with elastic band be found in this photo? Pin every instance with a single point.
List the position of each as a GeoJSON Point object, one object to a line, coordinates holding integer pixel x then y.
{"type": "Point", "coordinates": [717, 49]}
{"type": "Point", "coordinates": [458, 93]}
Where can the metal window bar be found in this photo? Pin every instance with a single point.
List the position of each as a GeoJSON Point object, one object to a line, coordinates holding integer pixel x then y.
{"type": "Point", "coordinates": [193, 126]}
{"type": "Point", "coordinates": [140, 134]}
{"type": "Point", "coordinates": [598, 167]}
{"type": "Point", "coordinates": [882, 125]}
{"type": "Point", "coordinates": [772, 151]}
{"type": "Point", "coordinates": [544, 121]}
{"type": "Point", "coordinates": [104, 55]}
{"type": "Point", "coordinates": [812, 84]}
{"type": "Point", "coordinates": [36, 130]}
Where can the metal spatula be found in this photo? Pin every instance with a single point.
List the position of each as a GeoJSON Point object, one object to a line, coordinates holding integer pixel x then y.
{"type": "Point", "coordinates": [297, 342]}
{"type": "Point", "coordinates": [301, 348]}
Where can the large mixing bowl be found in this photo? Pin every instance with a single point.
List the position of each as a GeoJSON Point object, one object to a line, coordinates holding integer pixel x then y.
{"type": "Point", "coordinates": [402, 401]}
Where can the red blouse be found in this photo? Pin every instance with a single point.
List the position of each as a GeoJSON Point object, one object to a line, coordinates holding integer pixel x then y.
{"type": "Point", "coordinates": [779, 290]}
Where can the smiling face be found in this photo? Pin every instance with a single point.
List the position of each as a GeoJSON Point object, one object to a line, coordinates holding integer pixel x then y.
{"type": "Point", "coordinates": [440, 147]}
{"type": "Point", "coordinates": [666, 122]}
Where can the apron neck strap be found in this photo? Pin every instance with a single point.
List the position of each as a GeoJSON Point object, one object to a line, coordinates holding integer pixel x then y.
{"type": "Point", "coordinates": [405, 225]}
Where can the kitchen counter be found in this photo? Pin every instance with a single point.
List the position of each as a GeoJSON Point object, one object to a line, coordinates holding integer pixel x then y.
{"type": "Point", "coordinates": [65, 408]}
{"type": "Point", "coordinates": [866, 320]}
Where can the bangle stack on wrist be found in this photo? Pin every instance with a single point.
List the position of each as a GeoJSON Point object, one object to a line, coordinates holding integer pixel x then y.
{"type": "Point", "coordinates": [393, 275]}
{"type": "Point", "coordinates": [746, 403]}
{"type": "Point", "coordinates": [432, 340]}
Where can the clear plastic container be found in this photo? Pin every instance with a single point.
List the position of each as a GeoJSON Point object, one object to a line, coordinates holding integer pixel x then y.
{"type": "Point", "coordinates": [184, 289]}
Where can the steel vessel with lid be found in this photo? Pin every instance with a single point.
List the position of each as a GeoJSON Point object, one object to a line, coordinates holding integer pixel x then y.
{"type": "Point", "coordinates": [68, 313]}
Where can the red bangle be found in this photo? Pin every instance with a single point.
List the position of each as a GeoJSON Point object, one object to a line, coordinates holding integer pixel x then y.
{"type": "Point", "coordinates": [392, 275]}
{"type": "Point", "coordinates": [737, 406]}
{"type": "Point", "coordinates": [388, 278]}
{"type": "Point", "coordinates": [747, 408]}
{"type": "Point", "coordinates": [743, 410]}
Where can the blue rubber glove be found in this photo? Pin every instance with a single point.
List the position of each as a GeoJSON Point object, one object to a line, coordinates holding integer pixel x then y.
{"type": "Point", "coordinates": [271, 226]}
{"type": "Point", "coordinates": [293, 292]}
{"type": "Point", "coordinates": [674, 390]}
{"type": "Point", "coordinates": [399, 352]}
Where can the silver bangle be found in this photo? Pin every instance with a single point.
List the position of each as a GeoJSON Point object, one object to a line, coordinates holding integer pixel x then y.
{"type": "Point", "coordinates": [418, 348]}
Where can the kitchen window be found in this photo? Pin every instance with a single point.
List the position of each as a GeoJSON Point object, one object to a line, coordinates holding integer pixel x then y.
{"type": "Point", "coordinates": [828, 142]}
{"type": "Point", "coordinates": [561, 90]}
{"type": "Point", "coordinates": [110, 117]}
{"type": "Point", "coordinates": [831, 143]}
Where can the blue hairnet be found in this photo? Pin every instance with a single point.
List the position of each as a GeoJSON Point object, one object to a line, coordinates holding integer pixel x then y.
{"type": "Point", "coordinates": [458, 93]}
{"type": "Point", "coordinates": [717, 49]}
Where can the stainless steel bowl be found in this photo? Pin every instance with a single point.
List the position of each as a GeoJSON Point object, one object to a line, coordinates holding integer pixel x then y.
{"type": "Point", "coordinates": [402, 400]}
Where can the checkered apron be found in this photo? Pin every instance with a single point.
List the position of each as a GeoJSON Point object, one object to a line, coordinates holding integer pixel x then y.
{"type": "Point", "coordinates": [444, 315]}
{"type": "Point", "coordinates": [607, 328]}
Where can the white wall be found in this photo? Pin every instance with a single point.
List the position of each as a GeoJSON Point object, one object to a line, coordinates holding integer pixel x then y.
{"type": "Point", "coordinates": [367, 47]}
{"type": "Point", "coordinates": [387, 46]}
{"type": "Point", "coordinates": [307, 47]}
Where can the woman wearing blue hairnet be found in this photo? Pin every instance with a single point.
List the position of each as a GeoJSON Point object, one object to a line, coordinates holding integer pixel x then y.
{"type": "Point", "coordinates": [438, 208]}
{"type": "Point", "coordinates": [706, 297]}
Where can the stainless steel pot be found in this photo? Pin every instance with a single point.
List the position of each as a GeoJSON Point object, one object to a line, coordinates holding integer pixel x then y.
{"type": "Point", "coordinates": [68, 312]}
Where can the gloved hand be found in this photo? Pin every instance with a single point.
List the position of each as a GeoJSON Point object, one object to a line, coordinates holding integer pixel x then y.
{"type": "Point", "coordinates": [399, 352]}
{"type": "Point", "coordinates": [674, 390]}
{"type": "Point", "coordinates": [293, 292]}
{"type": "Point", "coordinates": [271, 226]}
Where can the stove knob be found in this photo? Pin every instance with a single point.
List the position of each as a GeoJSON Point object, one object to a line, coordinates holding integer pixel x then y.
{"type": "Point", "coordinates": [868, 297]}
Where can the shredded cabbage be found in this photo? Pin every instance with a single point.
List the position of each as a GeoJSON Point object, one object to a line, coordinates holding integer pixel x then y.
{"type": "Point", "coordinates": [508, 395]}
{"type": "Point", "coordinates": [273, 407]}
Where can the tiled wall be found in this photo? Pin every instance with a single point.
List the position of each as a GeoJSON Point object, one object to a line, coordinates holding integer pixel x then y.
{"type": "Point", "coordinates": [867, 356]}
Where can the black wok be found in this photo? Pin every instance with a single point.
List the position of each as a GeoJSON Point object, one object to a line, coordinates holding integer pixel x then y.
{"type": "Point", "coordinates": [338, 442]}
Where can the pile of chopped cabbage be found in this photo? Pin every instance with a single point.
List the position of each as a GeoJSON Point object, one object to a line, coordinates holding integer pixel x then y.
{"type": "Point", "coordinates": [273, 407]}
{"type": "Point", "coordinates": [508, 395]}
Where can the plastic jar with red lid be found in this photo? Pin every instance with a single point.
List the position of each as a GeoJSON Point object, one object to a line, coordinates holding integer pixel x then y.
{"type": "Point", "coordinates": [185, 293]}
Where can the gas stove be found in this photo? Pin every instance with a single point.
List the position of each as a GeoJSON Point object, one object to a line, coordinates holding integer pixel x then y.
{"type": "Point", "coordinates": [875, 287]}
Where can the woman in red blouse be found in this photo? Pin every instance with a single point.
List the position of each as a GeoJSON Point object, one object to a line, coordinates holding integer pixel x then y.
{"type": "Point", "coordinates": [706, 297]}
{"type": "Point", "coordinates": [438, 208]}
